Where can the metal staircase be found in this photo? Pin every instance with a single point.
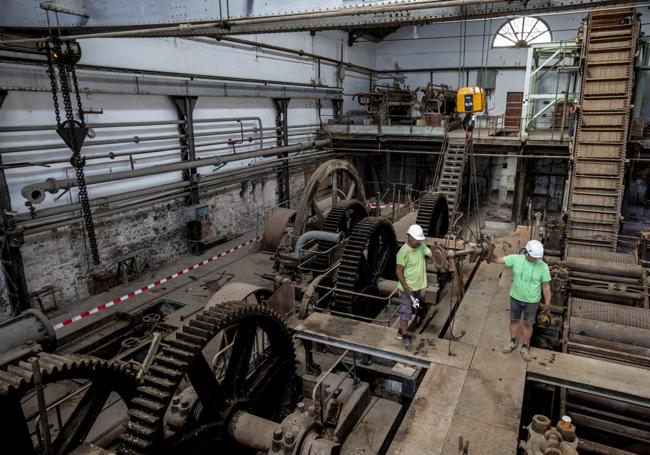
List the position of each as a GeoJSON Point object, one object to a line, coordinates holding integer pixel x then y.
{"type": "Point", "coordinates": [597, 181]}
{"type": "Point", "coordinates": [450, 179]}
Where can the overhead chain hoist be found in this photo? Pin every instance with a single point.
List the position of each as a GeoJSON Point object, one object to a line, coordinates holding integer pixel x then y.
{"type": "Point", "coordinates": [73, 132]}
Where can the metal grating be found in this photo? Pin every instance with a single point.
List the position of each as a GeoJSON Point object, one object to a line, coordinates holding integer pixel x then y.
{"type": "Point", "coordinates": [596, 187]}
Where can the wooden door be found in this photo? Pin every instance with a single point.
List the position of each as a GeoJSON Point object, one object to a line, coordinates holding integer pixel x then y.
{"type": "Point", "coordinates": [512, 118]}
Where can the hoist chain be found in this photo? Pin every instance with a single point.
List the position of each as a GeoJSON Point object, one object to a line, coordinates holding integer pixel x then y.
{"type": "Point", "coordinates": [69, 128]}
{"type": "Point", "coordinates": [50, 73]}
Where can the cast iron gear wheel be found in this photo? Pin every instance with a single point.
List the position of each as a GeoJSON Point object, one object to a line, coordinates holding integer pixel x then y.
{"type": "Point", "coordinates": [369, 254]}
{"type": "Point", "coordinates": [433, 214]}
{"type": "Point", "coordinates": [307, 208]}
{"type": "Point", "coordinates": [265, 385]}
{"type": "Point", "coordinates": [17, 382]}
{"type": "Point", "coordinates": [341, 218]}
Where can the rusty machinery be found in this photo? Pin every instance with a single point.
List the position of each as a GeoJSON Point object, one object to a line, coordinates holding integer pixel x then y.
{"type": "Point", "coordinates": [439, 100]}
{"type": "Point", "coordinates": [361, 278]}
{"type": "Point", "coordinates": [333, 181]}
{"type": "Point", "coordinates": [362, 281]}
{"type": "Point", "coordinates": [224, 381]}
{"type": "Point", "coordinates": [600, 309]}
{"type": "Point", "coordinates": [30, 371]}
{"type": "Point", "coordinates": [544, 439]}
{"type": "Point", "coordinates": [397, 104]}
{"type": "Point", "coordinates": [389, 105]}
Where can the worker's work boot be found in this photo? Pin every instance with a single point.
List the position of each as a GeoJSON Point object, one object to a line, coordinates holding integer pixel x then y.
{"type": "Point", "coordinates": [525, 353]}
{"type": "Point", "coordinates": [511, 346]}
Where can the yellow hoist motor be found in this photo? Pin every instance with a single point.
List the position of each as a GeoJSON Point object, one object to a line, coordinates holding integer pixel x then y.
{"type": "Point", "coordinates": [470, 100]}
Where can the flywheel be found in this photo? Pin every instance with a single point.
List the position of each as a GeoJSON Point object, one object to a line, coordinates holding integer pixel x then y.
{"type": "Point", "coordinates": [258, 376]}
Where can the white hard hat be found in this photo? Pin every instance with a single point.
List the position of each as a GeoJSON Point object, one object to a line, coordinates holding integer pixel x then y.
{"type": "Point", "coordinates": [416, 232]}
{"type": "Point", "coordinates": [535, 248]}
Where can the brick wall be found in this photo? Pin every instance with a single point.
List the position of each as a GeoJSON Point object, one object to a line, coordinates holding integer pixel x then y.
{"type": "Point", "coordinates": [60, 257]}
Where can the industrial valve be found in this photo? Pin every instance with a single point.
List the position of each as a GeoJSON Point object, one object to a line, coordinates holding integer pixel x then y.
{"type": "Point", "coordinates": [543, 439]}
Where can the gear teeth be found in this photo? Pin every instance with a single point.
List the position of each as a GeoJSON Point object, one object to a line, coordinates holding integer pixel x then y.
{"type": "Point", "coordinates": [17, 380]}
{"type": "Point", "coordinates": [146, 417]}
{"type": "Point", "coordinates": [432, 206]}
{"type": "Point", "coordinates": [337, 221]}
{"type": "Point", "coordinates": [178, 353]}
{"type": "Point", "coordinates": [365, 232]}
{"type": "Point", "coordinates": [156, 393]}
{"type": "Point", "coordinates": [143, 416]}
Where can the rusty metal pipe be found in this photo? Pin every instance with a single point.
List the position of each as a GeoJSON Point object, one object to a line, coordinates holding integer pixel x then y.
{"type": "Point", "coordinates": [619, 407]}
{"type": "Point", "coordinates": [606, 268]}
{"type": "Point", "coordinates": [603, 278]}
{"type": "Point", "coordinates": [252, 431]}
{"type": "Point", "coordinates": [607, 295]}
{"type": "Point", "coordinates": [609, 331]}
{"type": "Point", "coordinates": [600, 449]}
{"type": "Point", "coordinates": [611, 350]}
{"type": "Point", "coordinates": [53, 185]}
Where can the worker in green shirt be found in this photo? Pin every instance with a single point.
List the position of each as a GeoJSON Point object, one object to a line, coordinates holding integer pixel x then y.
{"type": "Point", "coordinates": [412, 275]}
{"type": "Point", "coordinates": [530, 279]}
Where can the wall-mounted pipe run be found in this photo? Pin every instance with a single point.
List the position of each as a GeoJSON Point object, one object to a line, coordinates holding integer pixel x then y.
{"type": "Point", "coordinates": [37, 216]}
{"type": "Point", "coordinates": [35, 192]}
{"type": "Point", "coordinates": [306, 130]}
{"type": "Point", "coordinates": [236, 119]}
{"type": "Point", "coordinates": [38, 225]}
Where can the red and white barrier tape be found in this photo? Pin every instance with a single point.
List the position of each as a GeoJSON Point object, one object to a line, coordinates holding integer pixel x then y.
{"type": "Point", "coordinates": [104, 306]}
{"type": "Point", "coordinates": [382, 206]}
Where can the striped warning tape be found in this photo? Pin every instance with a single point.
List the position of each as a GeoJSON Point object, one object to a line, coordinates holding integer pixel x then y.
{"type": "Point", "coordinates": [131, 294]}
{"type": "Point", "coordinates": [384, 206]}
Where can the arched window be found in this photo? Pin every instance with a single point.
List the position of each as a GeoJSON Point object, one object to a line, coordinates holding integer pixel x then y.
{"type": "Point", "coordinates": [522, 32]}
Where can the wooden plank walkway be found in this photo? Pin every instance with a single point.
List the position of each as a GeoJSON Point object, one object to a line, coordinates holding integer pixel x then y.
{"type": "Point", "coordinates": [380, 341]}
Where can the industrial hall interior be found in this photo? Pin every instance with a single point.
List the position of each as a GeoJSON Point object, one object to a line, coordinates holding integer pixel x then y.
{"type": "Point", "coordinates": [333, 227]}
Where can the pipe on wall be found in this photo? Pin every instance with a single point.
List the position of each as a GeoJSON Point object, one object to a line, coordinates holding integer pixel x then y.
{"type": "Point", "coordinates": [160, 194]}
{"type": "Point", "coordinates": [35, 192]}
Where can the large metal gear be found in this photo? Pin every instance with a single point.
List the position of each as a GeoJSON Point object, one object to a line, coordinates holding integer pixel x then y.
{"type": "Point", "coordinates": [101, 378]}
{"type": "Point", "coordinates": [343, 217]}
{"type": "Point", "coordinates": [368, 255]}
{"type": "Point", "coordinates": [337, 171]}
{"type": "Point", "coordinates": [433, 214]}
{"type": "Point", "coordinates": [258, 377]}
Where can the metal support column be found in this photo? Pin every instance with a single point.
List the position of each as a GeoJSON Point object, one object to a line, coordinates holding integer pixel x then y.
{"type": "Point", "coordinates": [282, 135]}
{"type": "Point", "coordinates": [185, 109]}
{"type": "Point", "coordinates": [11, 260]}
{"type": "Point", "coordinates": [519, 196]}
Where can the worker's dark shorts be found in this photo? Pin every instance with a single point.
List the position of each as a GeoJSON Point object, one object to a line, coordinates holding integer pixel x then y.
{"type": "Point", "coordinates": [529, 311]}
{"type": "Point", "coordinates": [406, 306]}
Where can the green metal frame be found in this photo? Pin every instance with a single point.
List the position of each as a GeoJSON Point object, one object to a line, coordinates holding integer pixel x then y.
{"type": "Point", "coordinates": [544, 59]}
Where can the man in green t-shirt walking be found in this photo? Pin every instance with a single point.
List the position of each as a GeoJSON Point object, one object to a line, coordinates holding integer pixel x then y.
{"type": "Point", "coordinates": [412, 275]}
{"type": "Point", "coordinates": [530, 279]}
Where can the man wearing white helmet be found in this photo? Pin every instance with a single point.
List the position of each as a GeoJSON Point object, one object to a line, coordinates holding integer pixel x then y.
{"type": "Point", "coordinates": [412, 275]}
{"type": "Point", "coordinates": [530, 280]}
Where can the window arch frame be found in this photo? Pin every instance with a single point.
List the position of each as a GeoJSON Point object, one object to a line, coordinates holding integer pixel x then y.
{"type": "Point", "coordinates": [525, 38]}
